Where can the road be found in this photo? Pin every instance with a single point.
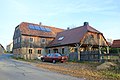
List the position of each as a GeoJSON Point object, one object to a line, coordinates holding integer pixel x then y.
{"type": "Point", "coordinates": [18, 70]}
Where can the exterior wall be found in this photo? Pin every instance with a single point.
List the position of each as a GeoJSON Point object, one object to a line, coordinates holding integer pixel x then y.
{"type": "Point", "coordinates": [17, 38]}
{"type": "Point", "coordinates": [94, 39]}
{"type": "Point", "coordinates": [35, 45]}
{"type": "Point", "coordinates": [1, 50]}
{"type": "Point", "coordinates": [37, 41]}
{"type": "Point", "coordinates": [9, 47]}
{"type": "Point", "coordinates": [62, 50]}
{"type": "Point", "coordinates": [24, 53]}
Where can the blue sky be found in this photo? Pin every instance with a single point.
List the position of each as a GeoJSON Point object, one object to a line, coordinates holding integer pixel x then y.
{"type": "Point", "coordinates": [104, 15]}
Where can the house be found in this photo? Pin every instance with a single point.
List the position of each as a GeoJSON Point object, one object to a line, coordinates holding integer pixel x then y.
{"type": "Point", "coordinates": [116, 47]}
{"type": "Point", "coordinates": [30, 40]}
{"type": "Point", "coordinates": [116, 44]}
{"type": "Point", "coordinates": [1, 49]}
{"type": "Point", "coordinates": [9, 47]}
{"type": "Point", "coordinates": [82, 43]}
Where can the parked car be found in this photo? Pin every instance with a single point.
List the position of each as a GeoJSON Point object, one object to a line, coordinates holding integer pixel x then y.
{"type": "Point", "coordinates": [39, 57]}
{"type": "Point", "coordinates": [54, 57]}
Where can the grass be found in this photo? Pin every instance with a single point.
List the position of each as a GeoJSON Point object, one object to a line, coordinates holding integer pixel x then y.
{"type": "Point", "coordinates": [112, 57]}
{"type": "Point", "coordinates": [111, 75]}
{"type": "Point", "coordinates": [113, 72]}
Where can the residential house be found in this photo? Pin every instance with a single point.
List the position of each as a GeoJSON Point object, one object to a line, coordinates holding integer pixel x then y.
{"type": "Point", "coordinates": [84, 41]}
{"type": "Point", "coordinates": [115, 50]}
{"type": "Point", "coordinates": [30, 40]}
{"type": "Point", "coordinates": [9, 48]}
{"type": "Point", "coordinates": [116, 43]}
{"type": "Point", "coordinates": [1, 49]}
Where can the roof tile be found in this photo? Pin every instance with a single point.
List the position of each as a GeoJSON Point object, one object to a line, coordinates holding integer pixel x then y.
{"type": "Point", "coordinates": [116, 44]}
{"type": "Point", "coordinates": [26, 31]}
{"type": "Point", "coordinates": [71, 36]}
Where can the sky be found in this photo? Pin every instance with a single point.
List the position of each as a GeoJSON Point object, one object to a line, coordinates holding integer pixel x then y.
{"type": "Point", "coordinates": [103, 15]}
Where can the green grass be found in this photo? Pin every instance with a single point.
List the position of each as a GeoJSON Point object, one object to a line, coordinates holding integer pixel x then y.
{"type": "Point", "coordinates": [112, 57]}
{"type": "Point", "coordinates": [111, 75]}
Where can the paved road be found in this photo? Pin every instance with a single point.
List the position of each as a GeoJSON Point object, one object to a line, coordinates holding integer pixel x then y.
{"type": "Point", "coordinates": [17, 70]}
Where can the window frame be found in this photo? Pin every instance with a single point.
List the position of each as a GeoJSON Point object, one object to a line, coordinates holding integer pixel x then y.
{"type": "Point", "coordinates": [38, 51]}
{"type": "Point", "coordinates": [30, 51]}
{"type": "Point", "coordinates": [31, 40]}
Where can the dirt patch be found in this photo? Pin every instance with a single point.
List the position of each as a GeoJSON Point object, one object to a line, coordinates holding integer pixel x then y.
{"type": "Point", "coordinates": [86, 70]}
{"type": "Point", "coordinates": [106, 65]}
{"type": "Point", "coordinates": [79, 70]}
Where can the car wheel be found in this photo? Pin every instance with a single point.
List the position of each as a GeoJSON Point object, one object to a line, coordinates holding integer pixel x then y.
{"type": "Point", "coordinates": [43, 60]}
{"type": "Point", "coordinates": [54, 61]}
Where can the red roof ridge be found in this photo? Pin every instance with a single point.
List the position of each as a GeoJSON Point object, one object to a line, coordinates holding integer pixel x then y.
{"type": "Point", "coordinates": [116, 40]}
{"type": "Point", "coordinates": [88, 28]}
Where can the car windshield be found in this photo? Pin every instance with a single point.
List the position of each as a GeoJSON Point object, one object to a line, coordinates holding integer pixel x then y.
{"type": "Point", "coordinates": [51, 55]}
{"type": "Point", "coordinates": [57, 55]}
{"type": "Point", "coordinates": [48, 55]}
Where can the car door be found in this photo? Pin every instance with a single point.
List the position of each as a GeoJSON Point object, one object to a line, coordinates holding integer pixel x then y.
{"type": "Point", "coordinates": [47, 57]}
{"type": "Point", "coordinates": [51, 57]}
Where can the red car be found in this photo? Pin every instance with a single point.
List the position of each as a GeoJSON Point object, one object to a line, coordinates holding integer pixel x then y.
{"type": "Point", "coordinates": [54, 57]}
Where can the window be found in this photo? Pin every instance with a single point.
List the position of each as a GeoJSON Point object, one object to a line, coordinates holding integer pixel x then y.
{"type": "Point", "coordinates": [48, 55]}
{"type": "Point", "coordinates": [49, 51]}
{"type": "Point", "coordinates": [39, 51]}
{"type": "Point", "coordinates": [30, 51]}
{"type": "Point", "coordinates": [62, 50]}
{"type": "Point", "coordinates": [61, 38]}
{"type": "Point", "coordinates": [31, 39]}
{"type": "Point", "coordinates": [57, 55]}
{"type": "Point", "coordinates": [43, 40]}
{"type": "Point", "coordinates": [55, 50]}
{"type": "Point", "coordinates": [15, 41]}
{"type": "Point", "coordinates": [19, 39]}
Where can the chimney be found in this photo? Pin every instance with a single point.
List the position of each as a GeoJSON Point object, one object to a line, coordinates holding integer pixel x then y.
{"type": "Point", "coordinates": [68, 28]}
{"type": "Point", "coordinates": [86, 24]}
{"type": "Point", "coordinates": [40, 23]}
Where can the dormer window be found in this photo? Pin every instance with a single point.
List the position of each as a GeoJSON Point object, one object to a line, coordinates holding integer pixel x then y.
{"type": "Point", "coordinates": [61, 38]}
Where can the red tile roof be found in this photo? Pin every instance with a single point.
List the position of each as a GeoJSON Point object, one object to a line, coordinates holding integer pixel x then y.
{"type": "Point", "coordinates": [24, 29]}
{"type": "Point", "coordinates": [116, 44]}
{"type": "Point", "coordinates": [72, 36]}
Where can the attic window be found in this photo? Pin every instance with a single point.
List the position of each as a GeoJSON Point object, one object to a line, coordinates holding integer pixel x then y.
{"type": "Point", "coordinates": [61, 38]}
